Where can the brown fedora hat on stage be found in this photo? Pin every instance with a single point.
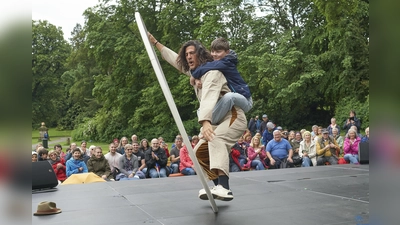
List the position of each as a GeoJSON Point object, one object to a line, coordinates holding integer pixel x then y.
{"type": "Point", "coordinates": [47, 208]}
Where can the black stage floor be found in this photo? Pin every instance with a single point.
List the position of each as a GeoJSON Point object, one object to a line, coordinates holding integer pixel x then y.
{"type": "Point", "coordinates": [316, 195]}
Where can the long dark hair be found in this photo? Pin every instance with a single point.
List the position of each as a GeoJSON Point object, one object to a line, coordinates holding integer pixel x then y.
{"type": "Point", "coordinates": [202, 54]}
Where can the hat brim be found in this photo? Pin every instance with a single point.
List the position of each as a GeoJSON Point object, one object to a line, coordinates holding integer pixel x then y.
{"type": "Point", "coordinates": [47, 213]}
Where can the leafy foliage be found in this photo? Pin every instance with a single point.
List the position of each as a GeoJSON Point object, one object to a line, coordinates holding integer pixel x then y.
{"type": "Point", "coordinates": [305, 61]}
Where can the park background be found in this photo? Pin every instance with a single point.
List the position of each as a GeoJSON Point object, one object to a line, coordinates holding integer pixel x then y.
{"type": "Point", "coordinates": [305, 62]}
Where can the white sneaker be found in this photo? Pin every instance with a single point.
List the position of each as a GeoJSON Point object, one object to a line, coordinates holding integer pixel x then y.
{"type": "Point", "coordinates": [221, 193]}
{"type": "Point", "coordinates": [203, 193]}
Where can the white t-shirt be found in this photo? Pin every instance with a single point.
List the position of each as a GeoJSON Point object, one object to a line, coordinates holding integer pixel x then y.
{"type": "Point", "coordinates": [113, 160]}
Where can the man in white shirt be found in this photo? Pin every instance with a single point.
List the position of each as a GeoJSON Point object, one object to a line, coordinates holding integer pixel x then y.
{"type": "Point", "coordinates": [113, 157]}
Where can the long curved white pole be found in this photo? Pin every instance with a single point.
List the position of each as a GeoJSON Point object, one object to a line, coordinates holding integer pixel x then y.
{"type": "Point", "coordinates": [168, 96]}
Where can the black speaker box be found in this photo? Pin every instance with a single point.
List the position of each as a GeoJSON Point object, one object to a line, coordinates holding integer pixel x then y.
{"type": "Point", "coordinates": [43, 176]}
{"type": "Point", "coordinates": [363, 153]}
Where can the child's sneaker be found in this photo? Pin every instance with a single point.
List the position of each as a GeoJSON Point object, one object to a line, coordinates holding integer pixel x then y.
{"type": "Point", "coordinates": [221, 193]}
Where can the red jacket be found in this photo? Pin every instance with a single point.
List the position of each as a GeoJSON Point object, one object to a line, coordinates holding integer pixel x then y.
{"type": "Point", "coordinates": [186, 161]}
{"type": "Point", "coordinates": [60, 173]}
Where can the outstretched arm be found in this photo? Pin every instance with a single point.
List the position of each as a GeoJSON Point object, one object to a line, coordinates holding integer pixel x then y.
{"type": "Point", "coordinates": [167, 54]}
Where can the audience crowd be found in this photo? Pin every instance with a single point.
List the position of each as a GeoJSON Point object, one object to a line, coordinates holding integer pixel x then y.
{"type": "Point", "coordinates": [264, 145]}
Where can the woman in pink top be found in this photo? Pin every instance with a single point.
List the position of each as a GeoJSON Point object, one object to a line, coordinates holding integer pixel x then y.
{"type": "Point", "coordinates": [257, 154]}
{"type": "Point", "coordinates": [350, 147]}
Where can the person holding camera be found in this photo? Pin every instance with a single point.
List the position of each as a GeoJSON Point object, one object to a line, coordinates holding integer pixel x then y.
{"type": "Point", "coordinates": [352, 121]}
{"type": "Point", "coordinates": [327, 149]}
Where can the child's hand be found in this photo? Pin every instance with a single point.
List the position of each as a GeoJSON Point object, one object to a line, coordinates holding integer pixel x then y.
{"type": "Point", "coordinates": [198, 83]}
{"type": "Point", "coordinates": [192, 80]}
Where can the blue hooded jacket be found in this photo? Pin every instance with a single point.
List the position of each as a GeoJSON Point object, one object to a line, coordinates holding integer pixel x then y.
{"type": "Point", "coordinates": [227, 66]}
{"type": "Point", "coordinates": [73, 165]}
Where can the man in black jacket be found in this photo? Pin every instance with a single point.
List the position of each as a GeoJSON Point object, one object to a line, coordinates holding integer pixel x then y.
{"type": "Point", "coordinates": [156, 161]}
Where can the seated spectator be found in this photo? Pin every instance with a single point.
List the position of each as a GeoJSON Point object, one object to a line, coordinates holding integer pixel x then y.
{"type": "Point", "coordinates": [75, 165]}
{"type": "Point", "coordinates": [366, 137]}
{"type": "Point", "coordinates": [38, 146]}
{"type": "Point", "coordinates": [350, 147]}
{"type": "Point", "coordinates": [84, 148]}
{"type": "Point", "coordinates": [333, 125]}
{"type": "Point", "coordinates": [69, 152]}
{"type": "Point", "coordinates": [174, 156]}
{"type": "Point", "coordinates": [234, 165]}
{"type": "Point", "coordinates": [173, 144]}
{"type": "Point", "coordinates": [98, 164]}
{"type": "Point", "coordinates": [285, 134]}
{"type": "Point", "coordinates": [134, 138]}
{"type": "Point", "coordinates": [357, 131]}
{"type": "Point", "coordinates": [144, 145]}
{"type": "Point", "coordinates": [257, 154]}
{"type": "Point", "coordinates": [291, 136]}
{"type": "Point", "coordinates": [42, 154]}
{"type": "Point", "coordinates": [241, 146]}
{"type": "Point", "coordinates": [141, 172]}
{"type": "Point", "coordinates": [352, 121]}
{"type": "Point", "coordinates": [295, 143]}
{"type": "Point", "coordinates": [121, 145]}
{"type": "Point", "coordinates": [259, 137]}
{"type": "Point", "coordinates": [156, 161]}
{"type": "Point", "coordinates": [164, 146]}
{"type": "Point", "coordinates": [160, 140]}
{"type": "Point", "coordinates": [308, 151]}
{"type": "Point", "coordinates": [128, 165]}
{"type": "Point", "coordinates": [314, 131]}
{"type": "Point", "coordinates": [58, 149]}
{"type": "Point", "coordinates": [268, 133]}
{"type": "Point", "coordinates": [247, 138]}
{"type": "Point", "coordinates": [85, 157]}
{"type": "Point", "coordinates": [327, 149]}
{"type": "Point", "coordinates": [186, 164]}
{"type": "Point", "coordinates": [113, 158]}
{"type": "Point", "coordinates": [319, 134]}
{"type": "Point", "coordinates": [195, 140]}
{"type": "Point", "coordinates": [302, 132]}
{"type": "Point", "coordinates": [91, 150]}
{"type": "Point", "coordinates": [279, 152]}
{"type": "Point", "coordinates": [34, 156]}
{"type": "Point", "coordinates": [58, 165]}
{"type": "Point", "coordinates": [338, 138]}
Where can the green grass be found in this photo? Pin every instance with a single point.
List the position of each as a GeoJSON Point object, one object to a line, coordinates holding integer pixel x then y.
{"type": "Point", "coordinates": [53, 133]}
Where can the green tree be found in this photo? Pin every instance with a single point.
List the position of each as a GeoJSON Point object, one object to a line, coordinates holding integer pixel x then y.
{"type": "Point", "coordinates": [49, 53]}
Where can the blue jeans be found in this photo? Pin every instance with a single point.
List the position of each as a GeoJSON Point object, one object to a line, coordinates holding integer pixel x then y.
{"type": "Point", "coordinates": [188, 171]}
{"type": "Point", "coordinates": [141, 174]}
{"type": "Point", "coordinates": [353, 159]}
{"type": "Point", "coordinates": [234, 168]}
{"type": "Point", "coordinates": [306, 162]}
{"type": "Point", "coordinates": [257, 164]}
{"type": "Point", "coordinates": [225, 104]}
{"type": "Point", "coordinates": [153, 173]}
{"type": "Point", "coordinates": [322, 159]}
{"type": "Point", "coordinates": [242, 162]}
{"type": "Point", "coordinates": [174, 167]}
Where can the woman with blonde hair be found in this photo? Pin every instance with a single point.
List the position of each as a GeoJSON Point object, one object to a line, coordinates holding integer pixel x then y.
{"type": "Point", "coordinates": [58, 164]}
{"type": "Point", "coordinates": [121, 145]}
{"type": "Point", "coordinates": [307, 150]}
{"type": "Point", "coordinates": [257, 154]}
